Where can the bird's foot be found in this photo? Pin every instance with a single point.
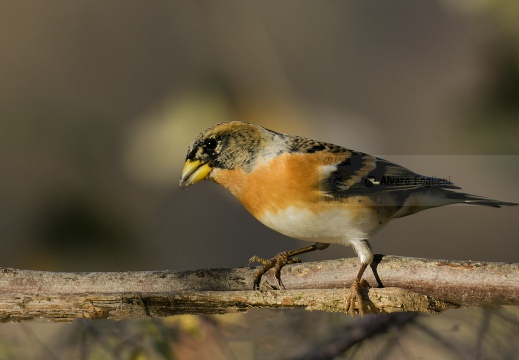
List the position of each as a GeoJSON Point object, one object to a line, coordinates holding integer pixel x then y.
{"type": "Point", "coordinates": [277, 262]}
{"type": "Point", "coordinates": [356, 296]}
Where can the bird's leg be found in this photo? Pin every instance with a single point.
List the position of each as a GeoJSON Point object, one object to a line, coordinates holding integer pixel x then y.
{"type": "Point", "coordinates": [280, 260]}
{"type": "Point", "coordinates": [355, 294]}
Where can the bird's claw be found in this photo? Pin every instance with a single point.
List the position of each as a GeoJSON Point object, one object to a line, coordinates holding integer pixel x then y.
{"type": "Point", "coordinates": [258, 259]}
{"type": "Point", "coordinates": [356, 296]}
{"type": "Point", "coordinates": [277, 262]}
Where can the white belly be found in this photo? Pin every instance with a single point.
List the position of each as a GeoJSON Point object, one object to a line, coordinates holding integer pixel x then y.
{"type": "Point", "coordinates": [334, 225]}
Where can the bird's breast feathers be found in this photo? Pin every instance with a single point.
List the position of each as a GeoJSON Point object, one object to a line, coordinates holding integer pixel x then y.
{"type": "Point", "coordinates": [285, 194]}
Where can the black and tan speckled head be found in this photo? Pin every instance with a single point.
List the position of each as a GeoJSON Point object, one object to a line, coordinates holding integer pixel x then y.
{"type": "Point", "coordinates": [227, 146]}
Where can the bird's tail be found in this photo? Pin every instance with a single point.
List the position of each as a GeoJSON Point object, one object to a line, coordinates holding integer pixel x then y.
{"type": "Point", "coordinates": [460, 197]}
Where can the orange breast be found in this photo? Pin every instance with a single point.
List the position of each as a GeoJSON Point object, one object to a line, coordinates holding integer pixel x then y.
{"type": "Point", "coordinates": [287, 180]}
{"type": "Point", "coordinates": [284, 194]}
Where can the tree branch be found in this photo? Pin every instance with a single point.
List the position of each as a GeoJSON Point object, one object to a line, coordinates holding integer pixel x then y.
{"type": "Point", "coordinates": [411, 284]}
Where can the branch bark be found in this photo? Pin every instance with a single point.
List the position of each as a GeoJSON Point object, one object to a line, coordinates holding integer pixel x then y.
{"type": "Point", "coordinates": [410, 284]}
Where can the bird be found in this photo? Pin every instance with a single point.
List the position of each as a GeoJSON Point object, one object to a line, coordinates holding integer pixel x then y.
{"type": "Point", "coordinates": [314, 191]}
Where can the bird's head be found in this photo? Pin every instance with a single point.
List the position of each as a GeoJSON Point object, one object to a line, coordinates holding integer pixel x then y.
{"type": "Point", "coordinates": [223, 146]}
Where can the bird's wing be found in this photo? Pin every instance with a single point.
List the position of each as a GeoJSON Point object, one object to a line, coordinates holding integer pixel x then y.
{"type": "Point", "coordinates": [361, 173]}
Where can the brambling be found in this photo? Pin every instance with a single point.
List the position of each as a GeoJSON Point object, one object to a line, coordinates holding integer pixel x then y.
{"type": "Point", "coordinates": [314, 191]}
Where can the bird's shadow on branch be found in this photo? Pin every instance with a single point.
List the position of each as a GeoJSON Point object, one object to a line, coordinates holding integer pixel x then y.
{"type": "Point", "coordinates": [374, 264]}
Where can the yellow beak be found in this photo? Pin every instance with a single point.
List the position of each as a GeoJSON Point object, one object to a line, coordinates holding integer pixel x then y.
{"type": "Point", "coordinates": [194, 171]}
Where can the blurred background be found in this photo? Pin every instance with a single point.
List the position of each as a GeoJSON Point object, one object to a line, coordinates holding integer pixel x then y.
{"type": "Point", "coordinates": [100, 100]}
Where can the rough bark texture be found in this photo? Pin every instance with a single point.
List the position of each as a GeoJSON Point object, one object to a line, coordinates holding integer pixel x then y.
{"type": "Point", "coordinates": [410, 285]}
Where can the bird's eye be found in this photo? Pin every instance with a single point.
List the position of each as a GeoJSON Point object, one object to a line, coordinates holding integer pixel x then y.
{"type": "Point", "coordinates": [210, 144]}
